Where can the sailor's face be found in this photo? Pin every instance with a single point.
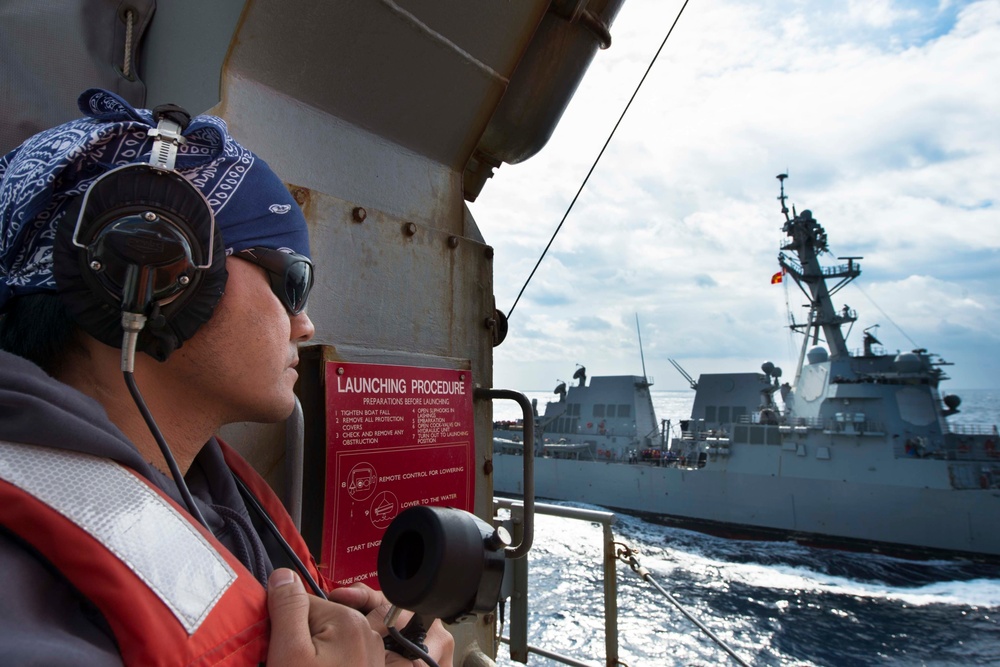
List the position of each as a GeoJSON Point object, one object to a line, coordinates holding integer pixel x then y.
{"type": "Point", "coordinates": [243, 359]}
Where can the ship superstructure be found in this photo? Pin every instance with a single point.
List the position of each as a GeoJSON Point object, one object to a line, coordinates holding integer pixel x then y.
{"type": "Point", "coordinates": [855, 451]}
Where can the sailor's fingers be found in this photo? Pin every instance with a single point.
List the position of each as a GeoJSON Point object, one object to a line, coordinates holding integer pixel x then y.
{"type": "Point", "coordinates": [307, 631]}
{"type": "Point", "coordinates": [360, 597]}
{"type": "Point", "coordinates": [369, 602]}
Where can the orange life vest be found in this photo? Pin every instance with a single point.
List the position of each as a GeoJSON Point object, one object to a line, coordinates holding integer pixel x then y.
{"type": "Point", "coordinates": [169, 591]}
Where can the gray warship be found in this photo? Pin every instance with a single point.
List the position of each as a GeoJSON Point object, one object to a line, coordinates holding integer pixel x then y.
{"type": "Point", "coordinates": [855, 453]}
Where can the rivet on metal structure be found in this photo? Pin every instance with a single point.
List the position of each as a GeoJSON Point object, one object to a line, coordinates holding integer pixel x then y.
{"type": "Point", "coordinates": [359, 214]}
{"type": "Point", "coordinates": [453, 242]}
{"type": "Point", "coordinates": [410, 228]}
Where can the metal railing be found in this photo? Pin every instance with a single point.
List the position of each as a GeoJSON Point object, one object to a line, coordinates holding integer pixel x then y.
{"type": "Point", "coordinates": [518, 639]}
{"type": "Point", "coordinates": [973, 429]}
{"type": "Point", "coordinates": [613, 551]}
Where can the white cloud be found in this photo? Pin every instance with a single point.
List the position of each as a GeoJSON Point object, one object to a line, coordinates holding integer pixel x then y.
{"type": "Point", "coordinates": [884, 113]}
{"type": "Point", "coordinates": [876, 13]}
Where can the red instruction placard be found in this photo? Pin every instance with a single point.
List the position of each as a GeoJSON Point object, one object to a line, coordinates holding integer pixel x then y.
{"type": "Point", "coordinates": [396, 436]}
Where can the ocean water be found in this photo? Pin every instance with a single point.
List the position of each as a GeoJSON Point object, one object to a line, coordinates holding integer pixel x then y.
{"type": "Point", "coordinates": [773, 603]}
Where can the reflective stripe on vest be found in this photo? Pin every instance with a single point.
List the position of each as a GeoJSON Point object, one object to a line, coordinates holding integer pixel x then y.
{"type": "Point", "coordinates": [132, 521]}
{"type": "Point", "coordinates": [94, 504]}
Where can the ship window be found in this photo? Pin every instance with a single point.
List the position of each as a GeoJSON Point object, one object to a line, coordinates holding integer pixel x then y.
{"type": "Point", "coordinates": [739, 412]}
{"type": "Point", "coordinates": [740, 433]}
{"type": "Point", "coordinates": [611, 411]}
{"type": "Point", "coordinates": [598, 410]}
{"type": "Point", "coordinates": [757, 435]}
{"type": "Point", "coordinates": [573, 410]}
{"type": "Point", "coordinates": [625, 411]}
{"type": "Point", "coordinates": [724, 414]}
{"type": "Point", "coordinates": [773, 436]}
{"type": "Point", "coordinates": [710, 413]}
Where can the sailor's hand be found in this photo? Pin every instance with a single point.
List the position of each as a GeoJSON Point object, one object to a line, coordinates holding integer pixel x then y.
{"type": "Point", "coordinates": [440, 644]}
{"type": "Point", "coordinates": [307, 631]}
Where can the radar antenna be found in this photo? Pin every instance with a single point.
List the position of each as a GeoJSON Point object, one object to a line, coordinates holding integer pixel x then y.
{"type": "Point", "coordinates": [641, 355]}
{"type": "Point", "coordinates": [782, 197]}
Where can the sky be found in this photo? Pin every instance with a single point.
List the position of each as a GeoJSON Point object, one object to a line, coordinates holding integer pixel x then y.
{"type": "Point", "coordinates": [883, 113]}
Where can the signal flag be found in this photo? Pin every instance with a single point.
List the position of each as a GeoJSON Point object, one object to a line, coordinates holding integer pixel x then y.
{"type": "Point", "coordinates": [776, 278]}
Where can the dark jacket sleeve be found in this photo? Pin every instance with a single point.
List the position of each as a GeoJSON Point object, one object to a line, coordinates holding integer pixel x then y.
{"type": "Point", "coordinates": [43, 620]}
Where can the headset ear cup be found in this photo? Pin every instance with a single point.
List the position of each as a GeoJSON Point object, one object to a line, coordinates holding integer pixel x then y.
{"type": "Point", "coordinates": [94, 297]}
{"type": "Point", "coordinates": [92, 308]}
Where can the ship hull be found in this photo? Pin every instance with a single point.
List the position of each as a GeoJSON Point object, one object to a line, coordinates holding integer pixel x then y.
{"type": "Point", "coordinates": [873, 516]}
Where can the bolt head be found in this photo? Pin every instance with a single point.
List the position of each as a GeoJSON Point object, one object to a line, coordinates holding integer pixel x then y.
{"type": "Point", "coordinates": [96, 265]}
{"type": "Point", "coordinates": [499, 539]}
{"type": "Point", "coordinates": [149, 216]}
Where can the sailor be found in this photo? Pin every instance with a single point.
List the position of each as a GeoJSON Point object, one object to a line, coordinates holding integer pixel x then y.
{"type": "Point", "coordinates": [102, 560]}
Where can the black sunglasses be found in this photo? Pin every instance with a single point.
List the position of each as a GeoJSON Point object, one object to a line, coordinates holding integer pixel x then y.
{"type": "Point", "coordinates": [291, 275]}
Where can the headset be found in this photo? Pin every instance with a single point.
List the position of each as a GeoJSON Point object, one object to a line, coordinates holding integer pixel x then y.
{"type": "Point", "coordinates": [139, 263]}
{"type": "Point", "coordinates": [142, 240]}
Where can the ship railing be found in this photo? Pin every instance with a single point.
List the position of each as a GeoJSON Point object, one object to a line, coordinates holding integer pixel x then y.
{"type": "Point", "coordinates": [973, 429]}
{"type": "Point", "coordinates": [801, 423]}
{"type": "Point", "coordinates": [876, 350]}
{"type": "Point", "coordinates": [833, 271]}
{"type": "Point", "coordinates": [518, 577]}
{"type": "Point", "coordinates": [969, 442]}
{"type": "Point", "coordinates": [858, 425]}
{"type": "Point", "coordinates": [772, 417]}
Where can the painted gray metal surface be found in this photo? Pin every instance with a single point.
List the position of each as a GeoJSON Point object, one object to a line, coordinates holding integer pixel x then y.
{"type": "Point", "coordinates": [778, 494]}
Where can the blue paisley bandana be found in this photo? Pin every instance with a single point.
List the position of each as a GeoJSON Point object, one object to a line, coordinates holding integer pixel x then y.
{"type": "Point", "coordinates": [40, 178]}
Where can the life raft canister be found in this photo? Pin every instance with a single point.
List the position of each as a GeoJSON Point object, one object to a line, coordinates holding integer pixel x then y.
{"type": "Point", "coordinates": [991, 448]}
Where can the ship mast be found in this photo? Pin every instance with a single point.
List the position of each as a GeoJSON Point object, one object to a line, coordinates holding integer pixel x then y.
{"type": "Point", "coordinates": [808, 241]}
{"type": "Point", "coordinates": [641, 355]}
